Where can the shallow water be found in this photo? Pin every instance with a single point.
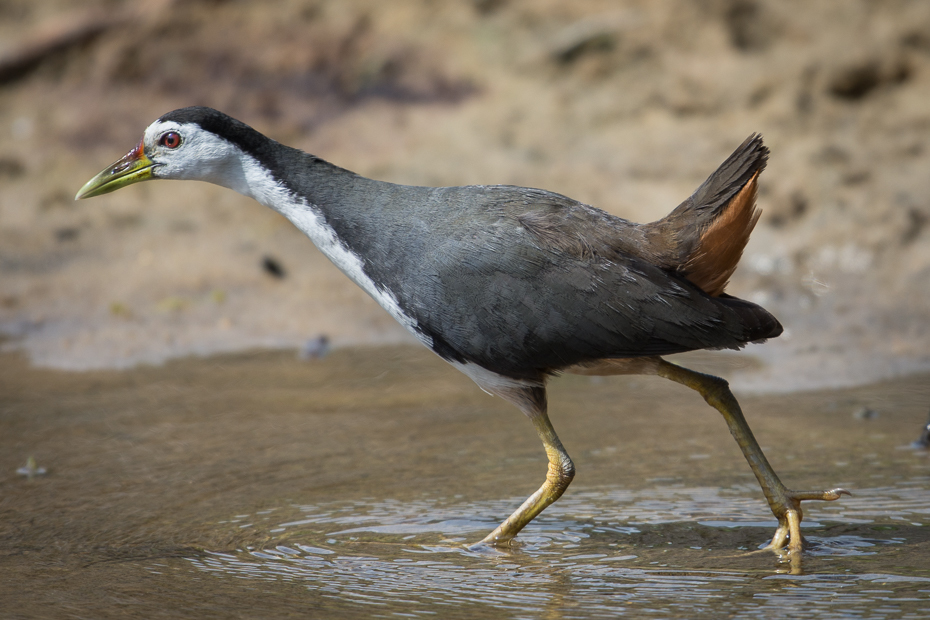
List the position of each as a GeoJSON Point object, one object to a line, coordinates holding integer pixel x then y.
{"type": "Point", "coordinates": [600, 553]}
{"type": "Point", "coordinates": [256, 485]}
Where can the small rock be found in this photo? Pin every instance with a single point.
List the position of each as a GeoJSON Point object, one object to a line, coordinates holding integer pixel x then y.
{"type": "Point", "coordinates": [315, 348]}
{"type": "Point", "coordinates": [864, 413]}
{"type": "Point", "coordinates": [273, 267]}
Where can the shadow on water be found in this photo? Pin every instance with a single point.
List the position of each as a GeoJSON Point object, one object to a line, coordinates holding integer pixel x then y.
{"type": "Point", "coordinates": [253, 485]}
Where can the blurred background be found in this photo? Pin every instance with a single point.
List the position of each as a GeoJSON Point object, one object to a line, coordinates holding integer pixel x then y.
{"type": "Point", "coordinates": [627, 106]}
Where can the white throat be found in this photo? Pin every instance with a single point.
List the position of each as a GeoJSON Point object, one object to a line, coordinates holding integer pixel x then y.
{"type": "Point", "coordinates": [307, 217]}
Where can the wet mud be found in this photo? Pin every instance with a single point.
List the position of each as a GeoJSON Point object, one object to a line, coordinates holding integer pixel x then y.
{"type": "Point", "coordinates": [257, 485]}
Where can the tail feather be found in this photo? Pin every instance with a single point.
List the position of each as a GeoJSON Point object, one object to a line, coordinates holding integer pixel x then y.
{"type": "Point", "coordinates": [706, 234]}
{"type": "Point", "coordinates": [758, 323]}
{"type": "Point", "coordinates": [721, 242]}
{"type": "Point", "coordinates": [727, 180]}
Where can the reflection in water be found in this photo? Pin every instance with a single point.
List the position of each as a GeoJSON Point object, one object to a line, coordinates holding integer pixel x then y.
{"type": "Point", "coordinates": [578, 559]}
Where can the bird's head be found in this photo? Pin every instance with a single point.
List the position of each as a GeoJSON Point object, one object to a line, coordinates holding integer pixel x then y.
{"type": "Point", "coordinates": [187, 144]}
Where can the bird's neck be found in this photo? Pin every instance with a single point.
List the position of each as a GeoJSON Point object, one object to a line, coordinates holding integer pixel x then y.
{"type": "Point", "coordinates": [277, 174]}
{"type": "Point", "coordinates": [337, 209]}
{"type": "Point", "coordinates": [301, 187]}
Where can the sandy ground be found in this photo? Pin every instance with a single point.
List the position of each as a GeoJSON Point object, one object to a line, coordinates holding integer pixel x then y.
{"type": "Point", "coordinates": [627, 106]}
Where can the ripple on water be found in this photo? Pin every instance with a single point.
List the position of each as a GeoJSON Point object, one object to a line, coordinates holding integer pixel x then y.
{"type": "Point", "coordinates": [408, 558]}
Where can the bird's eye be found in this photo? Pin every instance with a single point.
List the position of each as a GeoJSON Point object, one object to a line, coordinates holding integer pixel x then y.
{"type": "Point", "coordinates": [172, 140]}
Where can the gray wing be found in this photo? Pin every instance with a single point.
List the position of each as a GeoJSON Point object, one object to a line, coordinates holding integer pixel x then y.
{"type": "Point", "coordinates": [517, 302]}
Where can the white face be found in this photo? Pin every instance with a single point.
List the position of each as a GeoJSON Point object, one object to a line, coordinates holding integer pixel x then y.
{"type": "Point", "coordinates": [184, 151]}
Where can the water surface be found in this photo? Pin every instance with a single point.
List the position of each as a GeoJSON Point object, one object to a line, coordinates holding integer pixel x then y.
{"type": "Point", "coordinates": [255, 485]}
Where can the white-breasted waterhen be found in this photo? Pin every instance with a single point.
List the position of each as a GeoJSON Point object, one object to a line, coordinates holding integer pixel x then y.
{"type": "Point", "coordinates": [509, 284]}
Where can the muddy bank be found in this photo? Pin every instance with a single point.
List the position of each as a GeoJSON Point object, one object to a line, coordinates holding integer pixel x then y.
{"type": "Point", "coordinates": [625, 106]}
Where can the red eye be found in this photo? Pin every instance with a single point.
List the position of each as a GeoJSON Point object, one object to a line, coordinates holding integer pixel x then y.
{"type": "Point", "coordinates": [171, 139]}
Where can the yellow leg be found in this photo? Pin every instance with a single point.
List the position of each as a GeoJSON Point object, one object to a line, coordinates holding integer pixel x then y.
{"type": "Point", "coordinates": [785, 503]}
{"type": "Point", "coordinates": [561, 469]}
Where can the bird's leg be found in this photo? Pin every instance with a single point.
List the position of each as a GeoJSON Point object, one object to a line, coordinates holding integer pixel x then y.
{"type": "Point", "coordinates": [532, 401]}
{"type": "Point", "coordinates": [785, 503]}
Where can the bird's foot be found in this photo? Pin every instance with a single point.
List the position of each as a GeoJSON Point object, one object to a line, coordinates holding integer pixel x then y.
{"type": "Point", "coordinates": [788, 510]}
{"type": "Point", "coordinates": [490, 549]}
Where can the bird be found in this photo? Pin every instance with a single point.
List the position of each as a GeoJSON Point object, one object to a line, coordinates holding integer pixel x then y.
{"type": "Point", "coordinates": [512, 285]}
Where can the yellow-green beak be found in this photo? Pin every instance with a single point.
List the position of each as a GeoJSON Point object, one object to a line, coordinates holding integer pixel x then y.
{"type": "Point", "coordinates": [135, 166]}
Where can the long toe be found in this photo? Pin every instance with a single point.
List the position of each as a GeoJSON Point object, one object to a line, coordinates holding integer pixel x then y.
{"type": "Point", "coordinates": [827, 496]}
{"type": "Point", "coordinates": [789, 513]}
